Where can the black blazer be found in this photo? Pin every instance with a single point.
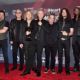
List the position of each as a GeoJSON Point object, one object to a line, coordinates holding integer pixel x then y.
{"type": "Point", "coordinates": [13, 27]}
{"type": "Point", "coordinates": [25, 28]}
{"type": "Point", "coordinates": [41, 31]}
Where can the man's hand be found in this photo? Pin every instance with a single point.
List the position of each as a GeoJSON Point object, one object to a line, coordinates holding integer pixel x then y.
{"type": "Point", "coordinates": [71, 31]}
{"type": "Point", "coordinates": [64, 33]}
{"type": "Point", "coordinates": [11, 42]}
{"type": "Point", "coordinates": [28, 32]}
{"type": "Point", "coordinates": [21, 45]}
{"type": "Point", "coordinates": [4, 30]}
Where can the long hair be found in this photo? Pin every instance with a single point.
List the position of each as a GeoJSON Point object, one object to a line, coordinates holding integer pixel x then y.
{"type": "Point", "coordinates": [28, 10]}
{"type": "Point", "coordinates": [75, 14]}
{"type": "Point", "coordinates": [68, 15]}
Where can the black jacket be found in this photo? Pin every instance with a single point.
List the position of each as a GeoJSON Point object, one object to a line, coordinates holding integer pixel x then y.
{"type": "Point", "coordinates": [41, 31]}
{"type": "Point", "coordinates": [14, 31]}
{"type": "Point", "coordinates": [76, 26]}
{"type": "Point", "coordinates": [24, 28]}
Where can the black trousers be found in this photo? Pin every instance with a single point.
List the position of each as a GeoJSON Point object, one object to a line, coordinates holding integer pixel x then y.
{"type": "Point", "coordinates": [50, 53]}
{"type": "Point", "coordinates": [76, 51]}
{"type": "Point", "coordinates": [15, 52]}
{"type": "Point", "coordinates": [29, 55]}
{"type": "Point", "coordinates": [4, 46]}
{"type": "Point", "coordinates": [64, 47]}
{"type": "Point", "coordinates": [38, 53]}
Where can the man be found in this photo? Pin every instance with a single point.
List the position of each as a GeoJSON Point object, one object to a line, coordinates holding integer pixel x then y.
{"type": "Point", "coordinates": [15, 26]}
{"type": "Point", "coordinates": [28, 38]}
{"type": "Point", "coordinates": [40, 25]}
{"type": "Point", "coordinates": [76, 38]}
{"type": "Point", "coordinates": [3, 39]}
{"type": "Point", "coordinates": [51, 44]}
{"type": "Point", "coordinates": [65, 30]}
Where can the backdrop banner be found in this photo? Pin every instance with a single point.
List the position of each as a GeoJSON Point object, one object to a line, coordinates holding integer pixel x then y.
{"type": "Point", "coordinates": [53, 6]}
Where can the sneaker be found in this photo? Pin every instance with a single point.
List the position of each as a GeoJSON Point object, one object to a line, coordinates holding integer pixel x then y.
{"type": "Point", "coordinates": [53, 71]}
{"type": "Point", "coordinates": [46, 70]}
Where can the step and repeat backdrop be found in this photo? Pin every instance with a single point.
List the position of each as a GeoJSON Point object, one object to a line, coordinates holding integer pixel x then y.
{"type": "Point", "coordinates": [53, 6]}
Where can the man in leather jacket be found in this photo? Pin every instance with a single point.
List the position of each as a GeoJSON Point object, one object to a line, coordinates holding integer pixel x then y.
{"type": "Point", "coordinates": [15, 26]}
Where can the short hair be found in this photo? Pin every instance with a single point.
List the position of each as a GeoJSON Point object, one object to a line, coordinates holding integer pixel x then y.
{"type": "Point", "coordinates": [2, 11]}
{"type": "Point", "coordinates": [28, 10]}
{"type": "Point", "coordinates": [53, 14]}
{"type": "Point", "coordinates": [40, 9]}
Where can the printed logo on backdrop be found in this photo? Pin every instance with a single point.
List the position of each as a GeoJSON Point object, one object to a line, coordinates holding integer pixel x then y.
{"type": "Point", "coordinates": [11, 13]}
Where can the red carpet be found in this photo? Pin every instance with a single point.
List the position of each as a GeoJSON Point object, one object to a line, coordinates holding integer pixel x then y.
{"type": "Point", "coordinates": [15, 75]}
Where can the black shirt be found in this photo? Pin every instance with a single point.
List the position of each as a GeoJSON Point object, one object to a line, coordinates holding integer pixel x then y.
{"type": "Point", "coordinates": [76, 26]}
{"type": "Point", "coordinates": [52, 34]}
{"type": "Point", "coordinates": [64, 26]}
{"type": "Point", "coordinates": [18, 29]}
{"type": "Point", "coordinates": [3, 23]}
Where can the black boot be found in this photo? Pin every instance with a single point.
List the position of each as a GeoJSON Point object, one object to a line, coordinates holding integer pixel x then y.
{"type": "Point", "coordinates": [20, 68]}
{"type": "Point", "coordinates": [13, 68]}
{"type": "Point", "coordinates": [59, 71]}
{"type": "Point", "coordinates": [38, 73]}
{"type": "Point", "coordinates": [68, 72]}
{"type": "Point", "coordinates": [25, 73]}
{"type": "Point", "coordinates": [7, 71]}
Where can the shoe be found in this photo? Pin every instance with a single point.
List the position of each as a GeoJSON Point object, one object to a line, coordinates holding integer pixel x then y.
{"type": "Point", "coordinates": [34, 69]}
{"type": "Point", "coordinates": [7, 71]}
{"type": "Point", "coordinates": [25, 73]}
{"type": "Point", "coordinates": [20, 68]}
{"type": "Point", "coordinates": [46, 70]}
{"type": "Point", "coordinates": [79, 74]}
{"type": "Point", "coordinates": [67, 72]}
{"type": "Point", "coordinates": [53, 71]}
{"type": "Point", "coordinates": [38, 74]}
{"type": "Point", "coordinates": [75, 70]}
{"type": "Point", "coordinates": [14, 68]}
{"type": "Point", "coordinates": [59, 71]}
